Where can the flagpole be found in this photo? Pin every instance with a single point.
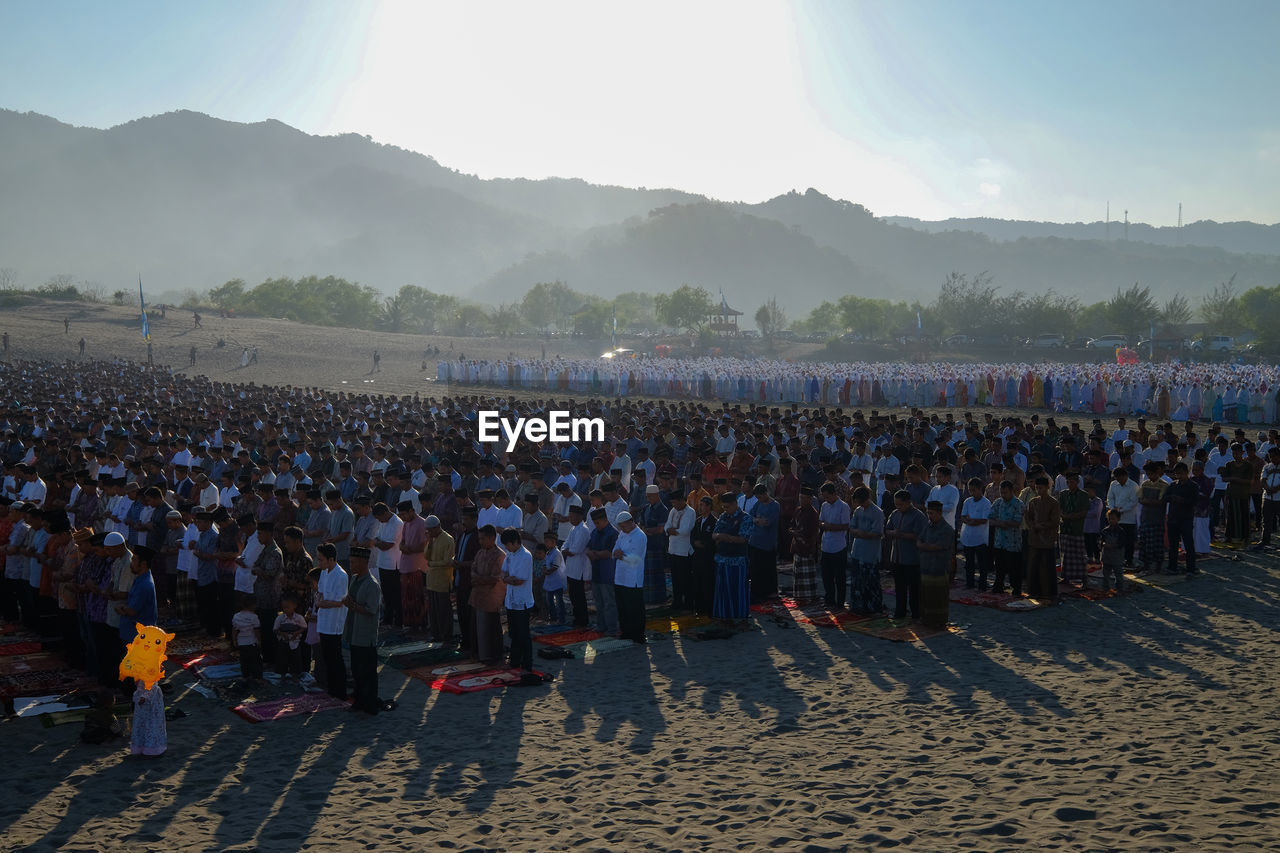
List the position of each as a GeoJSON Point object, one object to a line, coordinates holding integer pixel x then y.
{"type": "Point", "coordinates": [142, 302]}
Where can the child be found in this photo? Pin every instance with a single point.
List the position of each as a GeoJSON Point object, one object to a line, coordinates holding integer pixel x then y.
{"type": "Point", "coordinates": [1092, 523]}
{"type": "Point", "coordinates": [313, 652]}
{"type": "Point", "coordinates": [289, 628]}
{"type": "Point", "coordinates": [148, 736]}
{"type": "Point", "coordinates": [1112, 537]}
{"type": "Point", "coordinates": [246, 638]}
{"type": "Point", "coordinates": [553, 582]}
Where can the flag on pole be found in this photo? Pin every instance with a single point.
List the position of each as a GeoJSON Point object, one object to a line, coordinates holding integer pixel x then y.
{"type": "Point", "coordinates": [614, 336]}
{"type": "Point", "coordinates": [146, 327]}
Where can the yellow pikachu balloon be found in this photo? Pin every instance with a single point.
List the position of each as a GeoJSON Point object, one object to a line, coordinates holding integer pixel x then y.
{"type": "Point", "coordinates": [145, 655]}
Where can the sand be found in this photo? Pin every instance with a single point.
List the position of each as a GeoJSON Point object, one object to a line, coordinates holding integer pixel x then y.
{"type": "Point", "coordinates": [1146, 722]}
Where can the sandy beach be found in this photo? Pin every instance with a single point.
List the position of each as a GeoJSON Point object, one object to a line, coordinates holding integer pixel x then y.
{"type": "Point", "coordinates": [1144, 722]}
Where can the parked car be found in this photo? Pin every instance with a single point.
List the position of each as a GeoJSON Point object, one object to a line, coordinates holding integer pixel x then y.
{"type": "Point", "coordinates": [1109, 342]}
{"type": "Point", "coordinates": [1213, 343]}
{"type": "Point", "coordinates": [1080, 342]}
{"type": "Point", "coordinates": [787, 335]}
{"type": "Point", "coordinates": [1049, 340]}
{"type": "Point", "coordinates": [955, 341]}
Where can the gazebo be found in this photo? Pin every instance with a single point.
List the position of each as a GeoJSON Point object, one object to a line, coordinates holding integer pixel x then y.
{"type": "Point", "coordinates": [723, 320]}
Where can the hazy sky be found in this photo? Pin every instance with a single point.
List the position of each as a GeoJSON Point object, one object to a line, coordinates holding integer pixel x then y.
{"type": "Point", "coordinates": [928, 108]}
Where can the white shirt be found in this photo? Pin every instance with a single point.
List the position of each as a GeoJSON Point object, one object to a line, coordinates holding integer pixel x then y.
{"type": "Point", "coordinates": [682, 520]}
{"type": "Point", "coordinates": [561, 508]}
{"type": "Point", "coordinates": [950, 497]}
{"type": "Point", "coordinates": [1125, 499]}
{"type": "Point", "coordinates": [187, 561]}
{"type": "Point", "coordinates": [33, 492]}
{"type": "Point", "coordinates": [487, 515]}
{"type": "Point", "coordinates": [972, 535]}
{"type": "Point", "coordinates": [244, 574]}
{"type": "Point", "coordinates": [332, 587]}
{"type": "Point", "coordinates": [629, 569]}
{"type": "Point", "coordinates": [577, 567]}
{"type": "Point", "coordinates": [611, 510]}
{"type": "Point", "coordinates": [510, 517]}
{"type": "Point", "coordinates": [227, 495]}
{"type": "Point", "coordinates": [519, 564]}
{"type": "Point", "coordinates": [391, 530]}
{"type": "Point", "coordinates": [208, 496]}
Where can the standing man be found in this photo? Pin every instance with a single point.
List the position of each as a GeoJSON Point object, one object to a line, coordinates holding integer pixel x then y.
{"type": "Point", "coordinates": [652, 521]}
{"type": "Point", "coordinates": [629, 578]}
{"type": "Point", "coordinates": [1006, 524]}
{"type": "Point", "coordinates": [440, 550]}
{"type": "Point", "coordinates": [331, 620]}
{"type": "Point", "coordinates": [903, 530]}
{"type": "Point", "coordinates": [833, 522]}
{"type": "Point", "coordinates": [360, 633]}
{"type": "Point", "coordinates": [1181, 498]}
{"type": "Point", "coordinates": [934, 543]}
{"type": "Point", "coordinates": [577, 566]}
{"type": "Point", "coordinates": [517, 574]}
{"type": "Point", "coordinates": [1122, 496]}
{"type": "Point", "coordinates": [600, 547]}
{"type": "Point", "coordinates": [867, 531]}
{"type": "Point", "coordinates": [1073, 502]}
{"type": "Point", "coordinates": [680, 551]}
{"type": "Point", "coordinates": [762, 545]}
{"type": "Point", "coordinates": [1044, 519]}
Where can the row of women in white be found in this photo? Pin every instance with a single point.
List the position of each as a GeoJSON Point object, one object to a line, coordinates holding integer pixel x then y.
{"type": "Point", "coordinates": [1233, 393]}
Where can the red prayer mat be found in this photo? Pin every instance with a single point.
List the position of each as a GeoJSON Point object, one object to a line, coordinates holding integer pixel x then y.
{"type": "Point", "coordinates": [565, 638]}
{"type": "Point", "coordinates": [26, 647]}
{"type": "Point", "coordinates": [288, 706]}
{"type": "Point", "coordinates": [470, 682]}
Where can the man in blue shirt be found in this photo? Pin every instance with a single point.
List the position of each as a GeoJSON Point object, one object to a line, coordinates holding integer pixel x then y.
{"type": "Point", "coordinates": [205, 548]}
{"type": "Point", "coordinates": [600, 547]}
{"type": "Point", "coordinates": [762, 545]}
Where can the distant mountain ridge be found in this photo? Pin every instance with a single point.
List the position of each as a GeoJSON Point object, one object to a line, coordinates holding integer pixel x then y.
{"type": "Point", "coordinates": [190, 201]}
{"type": "Point", "coordinates": [1248, 238]}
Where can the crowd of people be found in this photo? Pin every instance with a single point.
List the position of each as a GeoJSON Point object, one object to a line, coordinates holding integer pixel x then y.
{"type": "Point", "coordinates": [296, 524]}
{"type": "Point", "coordinates": [1229, 393]}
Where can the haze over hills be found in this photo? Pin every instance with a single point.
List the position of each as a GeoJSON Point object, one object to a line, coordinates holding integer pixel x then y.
{"type": "Point", "coordinates": [191, 201]}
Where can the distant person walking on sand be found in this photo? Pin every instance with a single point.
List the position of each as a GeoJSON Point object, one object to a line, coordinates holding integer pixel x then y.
{"type": "Point", "coordinates": [195, 315]}
{"type": "Point", "coordinates": [82, 347]}
{"type": "Point", "coordinates": [66, 325]}
{"type": "Point", "coordinates": [253, 355]}
{"type": "Point", "coordinates": [244, 357]}
{"type": "Point", "coordinates": [193, 357]}
{"type": "Point", "coordinates": [150, 359]}
{"type": "Point", "coordinates": [377, 362]}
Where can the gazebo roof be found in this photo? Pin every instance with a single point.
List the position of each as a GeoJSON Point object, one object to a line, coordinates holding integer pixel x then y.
{"type": "Point", "coordinates": [725, 311]}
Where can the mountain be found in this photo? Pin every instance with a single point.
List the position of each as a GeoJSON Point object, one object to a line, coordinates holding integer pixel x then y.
{"type": "Point", "coordinates": [189, 201]}
{"type": "Point", "coordinates": [1240, 237]}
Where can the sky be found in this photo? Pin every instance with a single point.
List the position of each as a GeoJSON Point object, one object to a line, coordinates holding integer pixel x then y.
{"type": "Point", "coordinates": [925, 108]}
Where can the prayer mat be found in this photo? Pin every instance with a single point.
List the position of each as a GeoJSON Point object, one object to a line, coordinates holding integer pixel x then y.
{"type": "Point", "coordinates": [49, 719]}
{"type": "Point", "coordinates": [897, 630]}
{"type": "Point", "coordinates": [288, 706]}
{"type": "Point", "coordinates": [393, 649]}
{"type": "Point", "coordinates": [591, 649]}
{"type": "Point", "coordinates": [218, 672]}
{"type": "Point", "coordinates": [824, 617]}
{"type": "Point", "coordinates": [470, 682]}
{"type": "Point", "coordinates": [425, 657]}
{"type": "Point", "coordinates": [565, 638]}
{"type": "Point", "coordinates": [37, 662]}
{"type": "Point", "coordinates": [45, 682]}
{"type": "Point", "coordinates": [539, 630]}
{"type": "Point", "coordinates": [27, 647]}
{"type": "Point", "coordinates": [197, 660]}
{"type": "Point", "coordinates": [457, 669]}
{"type": "Point", "coordinates": [680, 624]}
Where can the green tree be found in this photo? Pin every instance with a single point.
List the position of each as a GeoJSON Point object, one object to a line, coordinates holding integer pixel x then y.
{"type": "Point", "coordinates": [550, 303]}
{"type": "Point", "coordinates": [1260, 307]}
{"type": "Point", "coordinates": [1222, 310]}
{"type": "Point", "coordinates": [684, 308]}
{"type": "Point", "coordinates": [867, 317]}
{"type": "Point", "coordinates": [967, 304]}
{"type": "Point", "coordinates": [1132, 311]}
{"type": "Point", "coordinates": [229, 296]}
{"type": "Point", "coordinates": [771, 318]}
{"type": "Point", "coordinates": [635, 309]}
{"type": "Point", "coordinates": [1176, 311]}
